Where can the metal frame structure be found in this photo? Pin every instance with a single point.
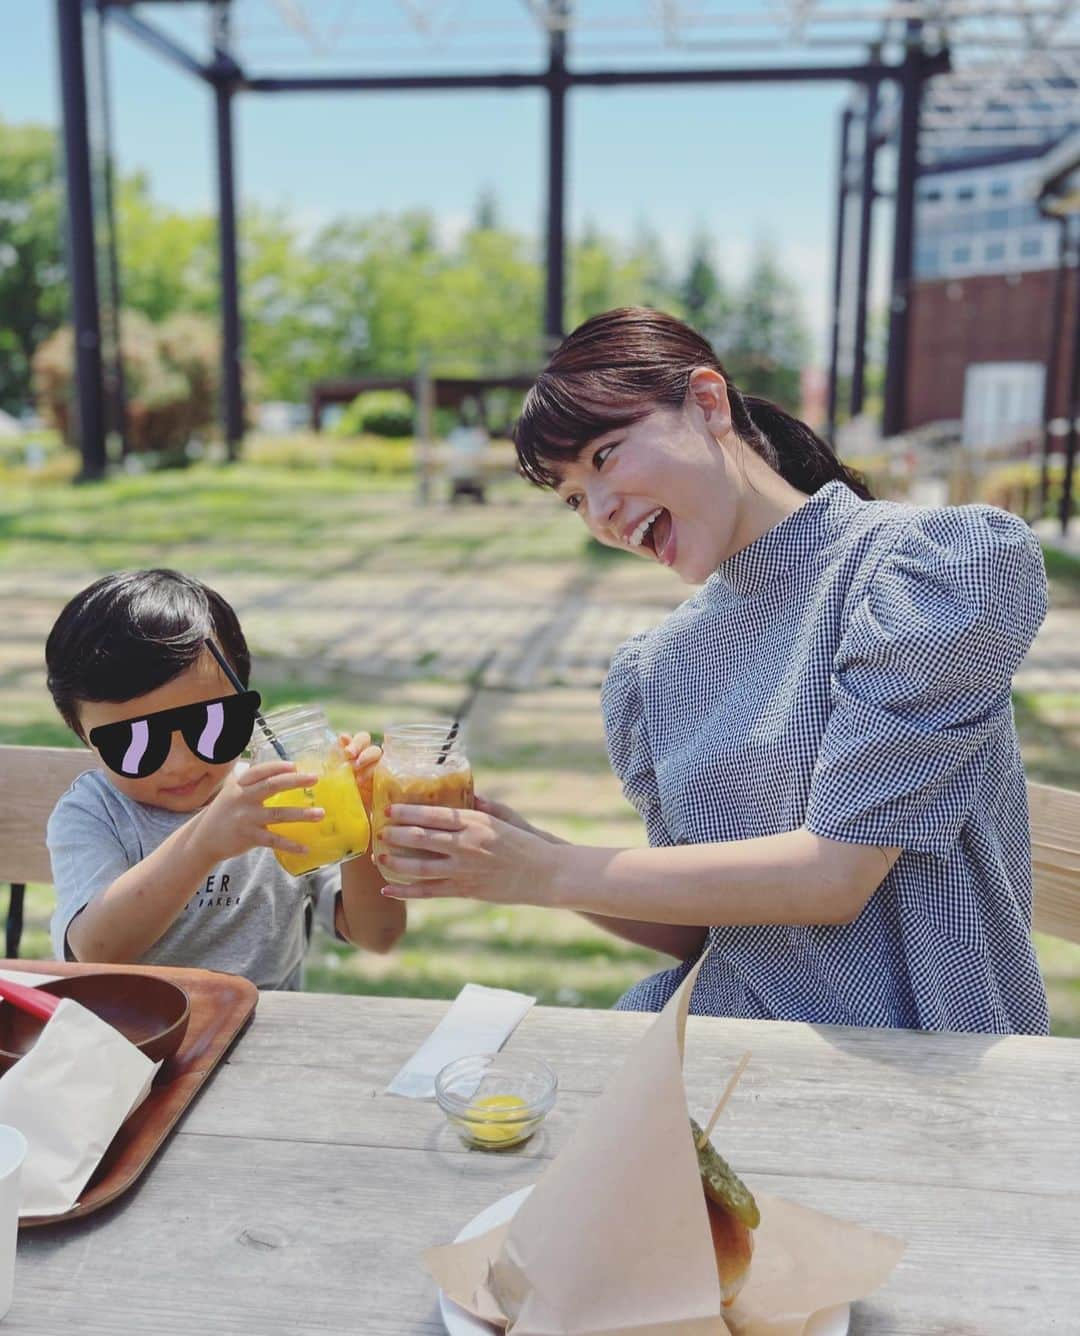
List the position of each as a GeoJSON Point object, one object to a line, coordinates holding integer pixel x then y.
{"type": "Point", "coordinates": [1059, 198]}
{"type": "Point", "coordinates": [1019, 78]}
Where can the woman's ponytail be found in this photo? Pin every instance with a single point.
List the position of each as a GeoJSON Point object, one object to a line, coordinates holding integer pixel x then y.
{"type": "Point", "coordinates": [792, 448]}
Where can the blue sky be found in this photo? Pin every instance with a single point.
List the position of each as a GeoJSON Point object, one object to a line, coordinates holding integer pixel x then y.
{"type": "Point", "coordinates": [739, 162]}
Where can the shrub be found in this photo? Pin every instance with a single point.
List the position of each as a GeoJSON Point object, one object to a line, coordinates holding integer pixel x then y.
{"type": "Point", "coordinates": [171, 375]}
{"type": "Point", "coordinates": [377, 413]}
{"type": "Point", "coordinates": [1016, 487]}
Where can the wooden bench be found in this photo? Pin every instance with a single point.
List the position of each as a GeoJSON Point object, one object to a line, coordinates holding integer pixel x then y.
{"type": "Point", "coordinates": [34, 780]}
{"type": "Point", "coordinates": [1055, 860]}
{"type": "Point", "coordinates": [35, 777]}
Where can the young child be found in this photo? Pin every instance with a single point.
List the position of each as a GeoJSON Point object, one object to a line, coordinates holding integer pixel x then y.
{"type": "Point", "coordinates": [164, 856]}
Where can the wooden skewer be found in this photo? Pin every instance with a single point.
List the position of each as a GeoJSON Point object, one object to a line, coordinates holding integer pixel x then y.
{"type": "Point", "coordinates": [736, 1076]}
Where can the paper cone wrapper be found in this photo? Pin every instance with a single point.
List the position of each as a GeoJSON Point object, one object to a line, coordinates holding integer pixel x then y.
{"type": "Point", "coordinates": [614, 1240]}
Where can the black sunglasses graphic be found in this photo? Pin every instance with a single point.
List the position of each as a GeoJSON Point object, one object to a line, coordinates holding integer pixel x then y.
{"type": "Point", "coordinates": [216, 731]}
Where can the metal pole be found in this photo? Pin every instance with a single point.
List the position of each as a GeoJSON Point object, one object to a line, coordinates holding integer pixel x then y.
{"type": "Point", "coordinates": [838, 266]}
{"type": "Point", "coordinates": [117, 384]}
{"type": "Point", "coordinates": [1053, 358]}
{"type": "Point", "coordinates": [866, 222]}
{"type": "Point", "coordinates": [157, 41]}
{"type": "Point", "coordinates": [232, 392]}
{"type": "Point", "coordinates": [609, 78]}
{"type": "Point", "coordinates": [555, 300]}
{"type": "Point", "coordinates": [911, 86]}
{"type": "Point", "coordinates": [82, 262]}
{"type": "Point", "coordinates": [1066, 509]}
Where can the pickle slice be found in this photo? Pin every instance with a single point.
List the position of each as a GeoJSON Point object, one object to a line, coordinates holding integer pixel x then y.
{"type": "Point", "coordinates": [722, 1184]}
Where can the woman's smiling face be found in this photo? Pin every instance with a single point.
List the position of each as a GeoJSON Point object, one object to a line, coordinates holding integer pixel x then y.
{"type": "Point", "coordinates": [663, 487]}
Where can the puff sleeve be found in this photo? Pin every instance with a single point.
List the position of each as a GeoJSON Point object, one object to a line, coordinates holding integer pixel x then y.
{"type": "Point", "coordinates": [920, 686]}
{"type": "Point", "coordinates": [628, 746]}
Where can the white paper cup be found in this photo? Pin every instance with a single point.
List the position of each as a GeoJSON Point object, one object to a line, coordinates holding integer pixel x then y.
{"type": "Point", "coordinates": [12, 1153]}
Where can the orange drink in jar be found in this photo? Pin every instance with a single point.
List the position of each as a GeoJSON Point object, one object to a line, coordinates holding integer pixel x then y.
{"type": "Point", "coordinates": [422, 765]}
{"type": "Point", "coordinates": [307, 739]}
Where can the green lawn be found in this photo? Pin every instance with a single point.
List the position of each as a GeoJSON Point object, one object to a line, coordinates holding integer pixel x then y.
{"type": "Point", "coordinates": [1063, 572]}
{"type": "Point", "coordinates": [266, 521]}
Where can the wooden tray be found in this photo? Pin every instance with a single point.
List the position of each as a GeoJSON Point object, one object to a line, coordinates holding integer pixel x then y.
{"type": "Point", "coordinates": [221, 1005]}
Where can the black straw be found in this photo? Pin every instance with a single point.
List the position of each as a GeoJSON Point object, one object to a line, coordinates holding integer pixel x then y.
{"type": "Point", "coordinates": [226, 668]}
{"type": "Point", "coordinates": [466, 706]}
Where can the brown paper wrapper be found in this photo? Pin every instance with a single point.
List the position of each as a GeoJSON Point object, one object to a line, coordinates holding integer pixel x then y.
{"type": "Point", "coordinates": [614, 1240]}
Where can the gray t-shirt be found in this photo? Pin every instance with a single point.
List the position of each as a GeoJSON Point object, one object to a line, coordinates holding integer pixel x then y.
{"type": "Point", "coordinates": [248, 917]}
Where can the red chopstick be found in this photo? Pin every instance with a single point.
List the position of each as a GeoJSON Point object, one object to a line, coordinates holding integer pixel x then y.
{"type": "Point", "coordinates": [32, 1000]}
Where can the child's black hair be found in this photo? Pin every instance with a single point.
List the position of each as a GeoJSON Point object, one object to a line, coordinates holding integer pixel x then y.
{"type": "Point", "coordinates": [133, 631]}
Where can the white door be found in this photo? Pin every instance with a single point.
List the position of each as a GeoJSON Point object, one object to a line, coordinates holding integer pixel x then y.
{"type": "Point", "coordinates": [1002, 402]}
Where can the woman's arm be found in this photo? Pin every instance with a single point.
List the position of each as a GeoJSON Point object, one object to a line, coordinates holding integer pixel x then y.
{"type": "Point", "coordinates": [678, 941]}
{"type": "Point", "coordinates": [795, 877]}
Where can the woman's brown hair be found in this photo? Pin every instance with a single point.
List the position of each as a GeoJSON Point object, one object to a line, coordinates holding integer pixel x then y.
{"type": "Point", "coordinates": [619, 367]}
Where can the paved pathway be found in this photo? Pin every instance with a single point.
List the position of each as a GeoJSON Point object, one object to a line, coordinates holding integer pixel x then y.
{"type": "Point", "coordinates": [547, 626]}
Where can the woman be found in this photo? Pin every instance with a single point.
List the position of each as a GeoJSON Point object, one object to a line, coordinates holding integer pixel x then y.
{"type": "Point", "coordinates": [820, 740]}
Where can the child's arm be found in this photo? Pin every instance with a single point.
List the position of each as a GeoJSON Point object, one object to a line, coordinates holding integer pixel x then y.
{"type": "Point", "coordinates": [125, 919]}
{"type": "Point", "coordinates": [364, 916]}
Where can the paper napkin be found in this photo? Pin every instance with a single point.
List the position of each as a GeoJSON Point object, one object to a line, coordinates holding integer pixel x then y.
{"type": "Point", "coordinates": [480, 1020]}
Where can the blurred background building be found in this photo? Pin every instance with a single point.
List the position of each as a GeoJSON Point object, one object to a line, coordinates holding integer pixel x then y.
{"type": "Point", "coordinates": [987, 264]}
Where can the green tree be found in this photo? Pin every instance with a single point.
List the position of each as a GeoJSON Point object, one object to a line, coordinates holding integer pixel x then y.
{"type": "Point", "coordinates": [770, 343]}
{"type": "Point", "coordinates": [33, 285]}
{"type": "Point", "coordinates": [372, 276]}
{"type": "Point", "coordinates": [310, 306]}
{"type": "Point", "coordinates": [365, 295]}
{"type": "Point", "coordinates": [701, 285]}
{"type": "Point", "coordinates": [705, 301]}
{"type": "Point", "coordinates": [282, 335]}
{"type": "Point", "coordinates": [486, 217]}
{"type": "Point", "coordinates": [482, 312]}
{"type": "Point", "coordinates": [604, 275]}
{"type": "Point", "coordinates": [649, 273]}
{"type": "Point", "coordinates": [593, 284]}
{"type": "Point", "coordinates": [168, 259]}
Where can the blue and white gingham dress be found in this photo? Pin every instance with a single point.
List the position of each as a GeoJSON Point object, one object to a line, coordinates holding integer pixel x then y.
{"type": "Point", "coordinates": [850, 672]}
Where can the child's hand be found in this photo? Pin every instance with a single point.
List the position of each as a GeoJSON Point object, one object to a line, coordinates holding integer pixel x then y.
{"type": "Point", "coordinates": [236, 820]}
{"type": "Point", "coordinates": [364, 756]}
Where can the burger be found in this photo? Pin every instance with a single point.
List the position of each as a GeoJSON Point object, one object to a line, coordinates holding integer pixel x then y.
{"type": "Point", "coordinates": [733, 1216]}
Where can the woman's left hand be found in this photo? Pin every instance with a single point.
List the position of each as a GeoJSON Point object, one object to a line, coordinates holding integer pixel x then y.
{"type": "Point", "coordinates": [478, 857]}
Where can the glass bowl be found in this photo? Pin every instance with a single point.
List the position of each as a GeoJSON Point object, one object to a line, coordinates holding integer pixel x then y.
{"type": "Point", "coordinates": [496, 1100]}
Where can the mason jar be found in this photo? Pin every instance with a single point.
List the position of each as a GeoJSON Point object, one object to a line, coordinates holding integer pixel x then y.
{"type": "Point", "coordinates": [424, 765]}
{"type": "Point", "coordinates": [307, 739]}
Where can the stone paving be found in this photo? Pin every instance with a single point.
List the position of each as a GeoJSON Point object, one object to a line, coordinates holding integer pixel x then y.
{"type": "Point", "coordinates": [545, 626]}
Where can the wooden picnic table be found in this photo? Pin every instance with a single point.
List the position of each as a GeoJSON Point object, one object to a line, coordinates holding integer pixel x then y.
{"type": "Point", "coordinates": [296, 1196]}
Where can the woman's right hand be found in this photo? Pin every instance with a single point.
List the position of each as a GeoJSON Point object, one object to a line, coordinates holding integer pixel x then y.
{"type": "Point", "coordinates": [502, 812]}
{"type": "Point", "coordinates": [236, 820]}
